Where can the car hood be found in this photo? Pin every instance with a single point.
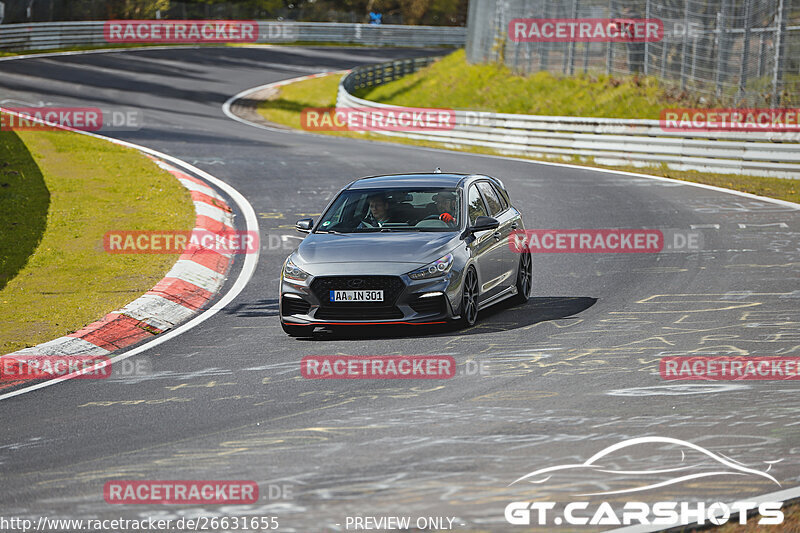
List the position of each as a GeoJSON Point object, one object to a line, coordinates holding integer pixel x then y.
{"type": "Point", "coordinates": [415, 248]}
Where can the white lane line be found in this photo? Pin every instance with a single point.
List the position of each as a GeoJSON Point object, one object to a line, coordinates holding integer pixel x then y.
{"type": "Point", "coordinates": [248, 267]}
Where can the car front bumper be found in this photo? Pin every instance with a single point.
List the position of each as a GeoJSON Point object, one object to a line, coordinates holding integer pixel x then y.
{"type": "Point", "coordinates": [406, 301]}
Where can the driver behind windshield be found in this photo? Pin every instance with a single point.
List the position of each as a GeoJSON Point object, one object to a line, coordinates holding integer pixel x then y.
{"type": "Point", "coordinates": [379, 211]}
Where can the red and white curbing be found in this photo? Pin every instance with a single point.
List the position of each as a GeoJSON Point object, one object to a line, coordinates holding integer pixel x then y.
{"type": "Point", "coordinates": [194, 279]}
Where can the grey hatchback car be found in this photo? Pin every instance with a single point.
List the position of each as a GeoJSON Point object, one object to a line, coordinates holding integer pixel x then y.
{"type": "Point", "coordinates": [414, 249]}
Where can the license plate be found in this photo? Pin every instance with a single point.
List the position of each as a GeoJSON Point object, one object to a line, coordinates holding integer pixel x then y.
{"type": "Point", "coordinates": [356, 296]}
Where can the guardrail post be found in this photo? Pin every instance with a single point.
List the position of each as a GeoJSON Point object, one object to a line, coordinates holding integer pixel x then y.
{"type": "Point", "coordinates": [544, 57]}
{"type": "Point", "coordinates": [780, 48]}
{"type": "Point", "coordinates": [586, 48]}
{"type": "Point", "coordinates": [748, 8]}
{"type": "Point", "coordinates": [647, 41]}
{"type": "Point", "coordinates": [570, 59]}
{"type": "Point", "coordinates": [683, 45]}
{"type": "Point", "coordinates": [722, 47]}
{"type": "Point", "coordinates": [609, 49]}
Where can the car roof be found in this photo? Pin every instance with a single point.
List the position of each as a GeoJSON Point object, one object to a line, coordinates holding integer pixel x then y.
{"type": "Point", "coordinates": [409, 180]}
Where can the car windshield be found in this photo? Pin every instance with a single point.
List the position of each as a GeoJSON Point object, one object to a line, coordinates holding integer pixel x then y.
{"type": "Point", "coordinates": [373, 210]}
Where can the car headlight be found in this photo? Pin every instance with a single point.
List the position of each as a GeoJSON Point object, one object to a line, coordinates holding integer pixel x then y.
{"type": "Point", "coordinates": [292, 271]}
{"type": "Point", "coordinates": [440, 267]}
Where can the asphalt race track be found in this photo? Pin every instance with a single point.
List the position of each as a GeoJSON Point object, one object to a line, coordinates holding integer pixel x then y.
{"type": "Point", "coordinates": [551, 382]}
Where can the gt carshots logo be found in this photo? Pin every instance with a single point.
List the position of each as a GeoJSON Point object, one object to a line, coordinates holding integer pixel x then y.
{"type": "Point", "coordinates": [695, 462]}
{"type": "Point", "coordinates": [660, 513]}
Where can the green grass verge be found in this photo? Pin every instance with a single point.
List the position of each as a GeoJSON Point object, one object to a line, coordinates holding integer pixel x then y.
{"type": "Point", "coordinates": [454, 83]}
{"type": "Point", "coordinates": [60, 192]}
{"type": "Point", "coordinates": [286, 105]}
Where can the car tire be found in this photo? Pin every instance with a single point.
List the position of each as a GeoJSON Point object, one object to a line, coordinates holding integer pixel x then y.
{"type": "Point", "coordinates": [469, 299]}
{"type": "Point", "coordinates": [297, 331]}
{"type": "Point", "coordinates": [524, 278]}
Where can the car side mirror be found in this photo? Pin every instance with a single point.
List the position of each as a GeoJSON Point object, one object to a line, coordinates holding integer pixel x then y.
{"type": "Point", "coordinates": [484, 223]}
{"type": "Point", "coordinates": [304, 225]}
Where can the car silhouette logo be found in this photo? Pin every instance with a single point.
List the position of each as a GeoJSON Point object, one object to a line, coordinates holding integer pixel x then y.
{"type": "Point", "coordinates": [715, 464]}
{"type": "Point", "coordinates": [355, 283]}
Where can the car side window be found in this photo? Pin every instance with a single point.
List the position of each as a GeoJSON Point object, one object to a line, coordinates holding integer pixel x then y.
{"type": "Point", "coordinates": [475, 205]}
{"type": "Point", "coordinates": [501, 196]}
{"type": "Point", "coordinates": [494, 203]}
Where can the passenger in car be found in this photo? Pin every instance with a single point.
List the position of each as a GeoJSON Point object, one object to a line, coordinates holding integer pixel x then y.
{"type": "Point", "coordinates": [445, 203]}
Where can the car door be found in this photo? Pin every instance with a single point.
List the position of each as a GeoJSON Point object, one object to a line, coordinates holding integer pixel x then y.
{"type": "Point", "coordinates": [484, 247]}
{"type": "Point", "coordinates": [509, 220]}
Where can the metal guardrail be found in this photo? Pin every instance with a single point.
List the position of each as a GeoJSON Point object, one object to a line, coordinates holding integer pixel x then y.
{"type": "Point", "coordinates": [53, 35]}
{"type": "Point", "coordinates": [373, 75]}
{"type": "Point", "coordinates": [636, 142]}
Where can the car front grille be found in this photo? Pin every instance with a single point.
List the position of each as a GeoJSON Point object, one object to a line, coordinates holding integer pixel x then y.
{"type": "Point", "coordinates": [391, 286]}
